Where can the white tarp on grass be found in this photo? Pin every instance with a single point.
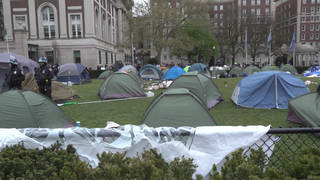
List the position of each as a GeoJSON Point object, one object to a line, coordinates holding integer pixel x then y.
{"type": "Point", "coordinates": [206, 145]}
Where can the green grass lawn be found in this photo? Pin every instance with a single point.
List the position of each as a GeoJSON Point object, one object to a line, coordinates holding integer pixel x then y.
{"type": "Point", "coordinates": [131, 111]}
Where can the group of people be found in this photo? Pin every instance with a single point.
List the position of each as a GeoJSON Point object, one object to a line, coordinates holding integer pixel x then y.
{"type": "Point", "coordinates": [15, 76]}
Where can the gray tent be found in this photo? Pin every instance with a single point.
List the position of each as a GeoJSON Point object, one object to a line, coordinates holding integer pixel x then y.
{"type": "Point", "coordinates": [128, 68]}
{"type": "Point", "coordinates": [177, 107]}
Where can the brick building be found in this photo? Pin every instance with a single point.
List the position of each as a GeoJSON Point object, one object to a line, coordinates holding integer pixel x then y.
{"type": "Point", "coordinates": [302, 17]}
{"type": "Point", "coordinates": [82, 31]}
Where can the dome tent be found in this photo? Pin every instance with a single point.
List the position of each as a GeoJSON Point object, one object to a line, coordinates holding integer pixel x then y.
{"type": "Point", "coordinates": [266, 90]}
{"type": "Point", "coordinates": [27, 109]}
{"type": "Point", "coordinates": [120, 85]}
{"type": "Point", "coordinates": [128, 68]}
{"type": "Point", "coordinates": [150, 72]}
{"type": "Point", "coordinates": [177, 107]}
{"type": "Point", "coordinates": [236, 72]}
{"type": "Point", "coordinates": [270, 68]}
{"type": "Point", "coordinates": [289, 68]}
{"type": "Point", "coordinates": [200, 85]}
{"type": "Point", "coordinates": [74, 72]}
{"type": "Point", "coordinates": [305, 110]}
{"type": "Point", "coordinates": [105, 74]}
{"type": "Point", "coordinates": [201, 68]}
{"type": "Point", "coordinates": [173, 73]}
{"type": "Point", "coordinates": [251, 70]}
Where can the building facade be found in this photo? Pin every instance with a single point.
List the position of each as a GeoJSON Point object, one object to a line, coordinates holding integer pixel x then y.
{"type": "Point", "coordinates": [65, 31]}
{"type": "Point", "coordinates": [299, 18]}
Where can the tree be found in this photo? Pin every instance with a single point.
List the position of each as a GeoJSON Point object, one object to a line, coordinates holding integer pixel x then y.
{"type": "Point", "coordinates": [161, 20]}
{"type": "Point", "coordinates": [257, 33]}
{"type": "Point", "coordinates": [228, 30]}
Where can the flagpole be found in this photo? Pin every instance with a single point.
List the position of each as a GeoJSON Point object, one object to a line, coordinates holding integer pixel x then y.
{"type": "Point", "coordinates": [294, 56]}
{"type": "Point", "coordinates": [7, 43]}
{"type": "Point", "coordinates": [270, 48]}
{"type": "Point", "coordinates": [246, 46]}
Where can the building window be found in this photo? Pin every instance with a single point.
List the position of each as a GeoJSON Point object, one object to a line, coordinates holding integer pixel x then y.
{"type": "Point", "coordinates": [49, 55]}
{"type": "Point", "coordinates": [244, 2]}
{"type": "Point", "coordinates": [318, 9]}
{"type": "Point", "coordinates": [311, 18]}
{"type": "Point", "coordinates": [215, 7]}
{"type": "Point", "coordinates": [303, 36]}
{"type": "Point", "coordinates": [267, 2]}
{"type": "Point", "coordinates": [317, 36]}
{"type": "Point", "coordinates": [75, 25]}
{"type": "Point", "coordinates": [311, 27]}
{"type": "Point", "coordinates": [313, 1]}
{"type": "Point", "coordinates": [252, 12]}
{"type": "Point", "coordinates": [304, 1]}
{"type": "Point", "coordinates": [244, 12]}
{"type": "Point", "coordinates": [253, 2]}
{"type": "Point", "coordinates": [111, 58]}
{"type": "Point", "coordinates": [313, 10]}
{"type": "Point", "coordinates": [221, 7]}
{"type": "Point", "coordinates": [317, 18]}
{"type": "Point", "coordinates": [20, 22]}
{"type": "Point", "coordinates": [317, 27]}
{"type": "Point", "coordinates": [303, 19]}
{"type": "Point", "coordinates": [258, 12]}
{"type": "Point", "coordinates": [303, 27]}
{"type": "Point", "coordinates": [77, 56]}
{"type": "Point", "coordinates": [221, 16]}
{"type": "Point", "coordinates": [177, 4]}
{"type": "Point", "coordinates": [48, 22]}
{"type": "Point", "coordinates": [304, 9]}
{"type": "Point", "coordinates": [311, 36]}
{"type": "Point", "coordinates": [215, 16]}
{"type": "Point", "coordinates": [258, 2]}
{"type": "Point", "coordinates": [318, 1]}
{"type": "Point", "coordinates": [99, 57]}
{"type": "Point", "coordinates": [267, 12]}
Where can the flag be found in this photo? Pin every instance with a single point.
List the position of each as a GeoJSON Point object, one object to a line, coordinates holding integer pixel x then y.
{"type": "Point", "coordinates": [293, 41]}
{"type": "Point", "coordinates": [245, 40]}
{"type": "Point", "coordinates": [268, 42]}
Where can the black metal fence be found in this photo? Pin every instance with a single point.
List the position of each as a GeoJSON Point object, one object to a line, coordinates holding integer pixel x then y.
{"type": "Point", "coordinates": [281, 142]}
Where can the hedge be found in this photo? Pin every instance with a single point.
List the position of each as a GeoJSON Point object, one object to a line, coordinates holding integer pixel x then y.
{"type": "Point", "coordinates": [17, 162]}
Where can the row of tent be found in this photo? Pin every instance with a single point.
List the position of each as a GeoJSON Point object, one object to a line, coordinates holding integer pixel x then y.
{"type": "Point", "coordinates": [184, 103]}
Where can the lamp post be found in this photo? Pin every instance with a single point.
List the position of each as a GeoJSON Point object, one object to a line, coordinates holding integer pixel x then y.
{"type": "Point", "coordinates": [212, 61]}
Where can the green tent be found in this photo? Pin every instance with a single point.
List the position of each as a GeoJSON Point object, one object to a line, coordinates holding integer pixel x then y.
{"type": "Point", "coordinates": [236, 72]}
{"type": "Point", "coordinates": [270, 68]}
{"type": "Point", "coordinates": [219, 72]}
{"type": "Point", "coordinates": [27, 109]}
{"type": "Point", "coordinates": [135, 76]}
{"type": "Point", "coordinates": [289, 68]}
{"type": "Point", "coordinates": [201, 86]}
{"type": "Point", "coordinates": [251, 70]}
{"type": "Point", "coordinates": [305, 110]}
{"type": "Point", "coordinates": [105, 74]}
{"type": "Point", "coordinates": [120, 85]}
{"type": "Point", "coordinates": [176, 108]}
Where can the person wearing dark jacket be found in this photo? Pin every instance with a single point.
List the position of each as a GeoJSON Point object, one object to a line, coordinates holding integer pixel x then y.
{"type": "Point", "coordinates": [43, 75]}
{"type": "Point", "coordinates": [15, 76]}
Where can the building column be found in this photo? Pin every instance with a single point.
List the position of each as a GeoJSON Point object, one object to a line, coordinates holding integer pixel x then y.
{"type": "Point", "coordinates": [120, 30]}
{"type": "Point", "coordinates": [7, 16]}
{"type": "Point", "coordinates": [88, 18]}
{"type": "Point", "coordinates": [32, 19]}
{"type": "Point", "coordinates": [62, 17]}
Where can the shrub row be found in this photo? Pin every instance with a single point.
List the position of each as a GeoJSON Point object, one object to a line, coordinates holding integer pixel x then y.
{"type": "Point", "coordinates": [17, 162]}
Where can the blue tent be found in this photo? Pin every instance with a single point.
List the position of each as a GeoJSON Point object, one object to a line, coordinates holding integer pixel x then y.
{"type": "Point", "coordinates": [201, 68]}
{"type": "Point", "coordinates": [173, 73]}
{"type": "Point", "coordinates": [150, 72]}
{"type": "Point", "coordinates": [269, 89]}
{"type": "Point", "coordinates": [74, 72]}
{"type": "Point", "coordinates": [313, 71]}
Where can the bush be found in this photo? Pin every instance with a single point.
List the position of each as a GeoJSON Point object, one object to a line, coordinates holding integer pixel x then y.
{"type": "Point", "coordinates": [94, 74]}
{"type": "Point", "coordinates": [301, 69]}
{"type": "Point", "coordinates": [17, 162]}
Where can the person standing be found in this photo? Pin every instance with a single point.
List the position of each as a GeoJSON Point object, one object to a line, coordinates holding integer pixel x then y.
{"type": "Point", "coordinates": [15, 76]}
{"type": "Point", "coordinates": [43, 75]}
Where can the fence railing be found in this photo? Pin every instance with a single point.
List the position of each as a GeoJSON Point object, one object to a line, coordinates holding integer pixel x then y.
{"type": "Point", "coordinates": [280, 142]}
